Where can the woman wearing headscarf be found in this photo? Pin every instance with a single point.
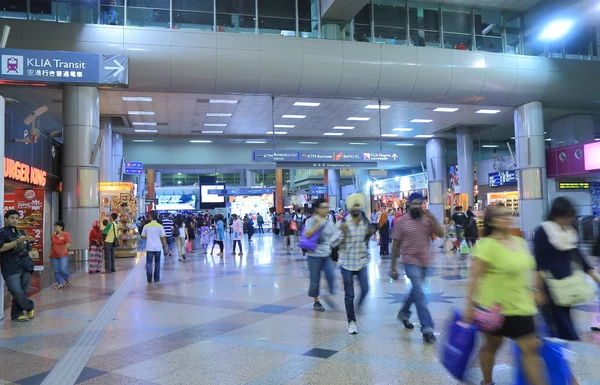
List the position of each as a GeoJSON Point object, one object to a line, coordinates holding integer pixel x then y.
{"type": "Point", "coordinates": [384, 234]}
{"type": "Point", "coordinates": [95, 243]}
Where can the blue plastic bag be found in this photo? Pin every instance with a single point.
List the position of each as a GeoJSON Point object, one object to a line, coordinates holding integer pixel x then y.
{"type": "Point", "coordinates": [558, 370]}
{"type": "Point", "coordinates": [455, 352]}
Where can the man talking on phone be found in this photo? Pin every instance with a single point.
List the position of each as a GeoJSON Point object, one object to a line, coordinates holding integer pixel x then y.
{"type": "Point", "coordinates": [412, 236]}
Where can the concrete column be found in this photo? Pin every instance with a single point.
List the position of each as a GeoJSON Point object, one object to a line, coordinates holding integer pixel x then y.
{"type": "Point", "coordinates": [151, 180]}
{"type": "Point", "coordinates": [464, 146]}
{"type": "Point", "coordinates": [279, 190]}
{"type": "Point", "coordinates": [362, 185]}
{"type": "Point", "coordinates": [140, 188]}
{"type": "Point", "coordinates": [157, 178]}
{"type": "Point", "coordinates": [531, 164]}
{"type": "Point", "coordinates": [106, 155]}
{"type": "Point", "coordinates": [242, 178]}
{"type": "Point", "coordinates": [2, 133]}
{"type": "Point", "coordinates": [437, 175]}
{"type": "Point", "coordinates": [572, 129]}
{"type": "Point", "coordinates": [117, 157]}
{"type": "Point", "coordinates": [81, 122]}
{"type": "Point", "coordinates": [331, 31]}
{"type": "Point", "coordinates": [250, 178]}
{"type": "Point", "coordinates": [335, 188]}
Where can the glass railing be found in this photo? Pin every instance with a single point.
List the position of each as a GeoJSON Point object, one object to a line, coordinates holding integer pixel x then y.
{"type": "Point", "coordinates": [394, 22]}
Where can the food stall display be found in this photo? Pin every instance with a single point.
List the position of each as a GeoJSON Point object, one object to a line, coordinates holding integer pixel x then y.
{"type": "Point", "coordinates": [510, 199]}
{"type": "Point", "coordinates": [119, 197]}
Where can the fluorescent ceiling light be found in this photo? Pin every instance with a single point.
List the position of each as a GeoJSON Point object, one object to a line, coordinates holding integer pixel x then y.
{"type": "Point", "coordinates": [146, 131]}
{"type": "Point", "coordinates": [256, 141]}
{"type": "Point", "coordinates": [137, 98]}
{"type": "Point", "coordinates": [218, 114]}
{"type": "Point", "coordinates": [513, 138]}
{"type": "Point", "coordinates": [489, 146]}
{"type": "Point", "coordinates": [389, 135]}
{"type": "Point", "coordinates": [277, 133]}
{"type": "Point", "coordinates": [142, 141]}
{"type": "Point", "coordinates": [293, 116]}
{"type": "Point", "coordinates": [376, 106]}
{"type": "Point", "coordinates": [143, 123]}
{"type": "Point", "coordinates": [597, 139]}
{"type": "Point", "coordinates": [223, 101]}
{"type": "Point", "coordinates": [404, 144]}
{"type": "Point", "coordinates": [284, 126]}
{"type": "Point", "coordinates": [491, 112]}
{"type": "Point", "coordinates": [200, 141]}
{"type": "Point", "coordinates": [215, 124]}
{"type": "Point", "coordinates": [343, 128]}
{"type": "Point", "coordinates": [213, 132]}
{"type": "Point", "coordinates": [423, 136]}
{"type": "Point", "coordinates": [358, 118]}
{"type": "Point", "coordinates": [307, 104]}
{"type": "Point", "coordinates": [140, 112]}
{"type": "Point", "coordinates": [421, 121]}
{"type": "Point", "coordinates": [556, 29]}
{"type": "Point", "coordinates": [548, 140]}
{"type": "Point", "coordinates": [308, 142]}
{"type": "Point", "coordinates": [333, 134]}
{"type": "Point", "coordinates": [445, 109]}
{"type": "Point", "coordinates": [358, 143]}
{"type": "Point", "coordinates": [402, 129]}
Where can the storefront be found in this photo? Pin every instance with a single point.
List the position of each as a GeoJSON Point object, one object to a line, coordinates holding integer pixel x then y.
{"type": "Point", "coordinates": [120, 198]}
{"type": "Point", "coordinates": [394, 192]}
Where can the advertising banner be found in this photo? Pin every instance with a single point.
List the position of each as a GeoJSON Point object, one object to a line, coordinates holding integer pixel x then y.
{"type": "Point", "coordinates": [29, 202]}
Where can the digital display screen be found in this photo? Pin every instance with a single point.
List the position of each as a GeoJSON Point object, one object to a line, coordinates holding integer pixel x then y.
{"type": "Point", "coordinates": [573, 185]}
{"type": "Point", "coordinates": [503, 178]}
{"type": "Point", "coordinates": [176, 202]}
{"type": "Point", "coordinates": [211, 198]}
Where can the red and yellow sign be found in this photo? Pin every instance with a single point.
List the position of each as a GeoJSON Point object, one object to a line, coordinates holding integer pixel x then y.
{"type": "Point", "coordinates": [22, 172]}
{"type": "Point", "coordinates": [29, 202]}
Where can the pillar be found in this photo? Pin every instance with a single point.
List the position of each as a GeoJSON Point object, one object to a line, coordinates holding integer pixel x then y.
{"type": "Point", "coordinates": [326, 183]}
{"type": "Point", "coordinates": [157, 178]}
{"type": "Point", "coordinates": [151, 179]}
{"type": "Point", "coordinates": [362, 184]}
{"type": "Point", "coordinates": [141, 197]}
{"type": "Point", "coordinates": [81, 122]}
{"type": "Point", "coordinates": [279, 190]}
{"type": "Point", "coordinates": [531, 164]}
{"type": "Point", "coordinates": [572, 129]}
{"type": "Point", "coordinates": [464, 146]}
{"type": "Point", "coordinates": [117, 157]}
{"type": "Point", "coordinates": [250, 178]}
{"type": "Point", "coordinates": [331, 31]}
{"type": "Point", "coordinates": [2, 133]}
{"type": "Point", "coordinates": [242, 178]}
{"type": "Point", "coordinates": [437, 177]}
{"type": "Point", "coordinates": [334, 187]}
{"type": "Point", "coordinates": [106, 165]}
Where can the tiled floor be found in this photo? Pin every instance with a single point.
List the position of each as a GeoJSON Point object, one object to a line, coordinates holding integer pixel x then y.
{"type": "Point", "coordinates": [248, 320]}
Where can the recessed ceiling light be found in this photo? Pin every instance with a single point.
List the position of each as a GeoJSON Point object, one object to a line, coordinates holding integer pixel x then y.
{"type": "Point", "coordinates": [140, 112]}
{"type": "Point", "coordinates": [548, 140]}
{"type": "Point", "coordinates": [333, 134]}
{"type": "Point", "coordinates": [223, 101]}
{"type": "Point", "coordinates": [213, 132]}
{"type": "Point", "coordinates": [277, 133]}
{"type": "Point", "coordinates": [597, 139]}
{"type": "Point", "coordinates": [284, 126]}
{"type": "Point", "coordinates": [445, 109]}
{"type": "Point", "coordinates": [343, 128]}
{"type": "Point", "coordinates": [423, 136]}
{"type": "Point", "coordinates": [256, 141]}
{"type": "Point", "coordinates": [200, 141]}
{"type": "Point", "coordinates": [489, 146]}
{"type": "Point", "coordinates": [142, 141]}
{"type": "Point", "coordinates": [308, 142]}
{"type": "Point", "coordinates": [487, 111]}
{"type": "Point", "coordinates": [307, 104]}
{"type": "Point", "coordinates": [215, 124]}
{"type": "Point", "coordinates": [404, 144]}
{"type": "Point", "coordinates": [513, 138]}
{"type": "Point", "coordinates": [389, 135]}
{"type": "Point", "coordinates": [137, 98]}
{"type": "Point", "coordinates": [146, 131]}
{"type": "Point", "coordinates": [358, 118]}
{"type": "Point", "coordinates": [358, 143]}
{"type": "Point", "coordinates": [376, 106]}
{"type": "Point", "coordinates": [143, 123]}
{"type": "Point", "coordinates": [421, 121]}
{"type": "Point", "coordinates": [402, 129]}
{"type": "Point", "coordinates": [218, 114]}
{"type": "Point", "coordinates": [293, 116]}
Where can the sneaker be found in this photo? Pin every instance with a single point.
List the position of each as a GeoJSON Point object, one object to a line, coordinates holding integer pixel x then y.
{"type": "Point", "coordinates": [149, 279]}
{"type": "Point", "coordinates": [408, 325]}
{"type": "Point", "coordinates": [31, 314]}
{"type": "Point", "coordinates": [21, 318]}
{"type": "Point", "coordinates": [318, 307]}
{"type": "Point", "coordinates": [240, 254]}
{"type": "Point", "coordinates": [352, 329]}
{"type": "Point", "coordinates": [429, 338]}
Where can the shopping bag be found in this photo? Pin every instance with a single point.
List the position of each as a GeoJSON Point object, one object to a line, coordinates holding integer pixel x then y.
{"type": "Point", "coordinates": [309, 243]}
{"type": "Point", "coordinates": [464, 247]}
{"type": "Point", "coordinates": [293, 226]}
{"type": "Point", "coordinates": [557, 366]}
{"type": "Point", "coordinates": [455, 352]}
{"type": "Point", "coordinates": [188, 247]}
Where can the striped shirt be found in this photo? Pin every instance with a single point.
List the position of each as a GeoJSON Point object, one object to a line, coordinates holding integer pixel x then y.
{"type": "Point", "coordinates": [168, 225]}
{"type": "Point", "coordinates": [414, 236]}
{"type": "Point", "coordinates": [353, 253]}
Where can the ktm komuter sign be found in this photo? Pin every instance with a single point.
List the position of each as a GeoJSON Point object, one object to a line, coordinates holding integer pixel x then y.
{"type": "Point", "coordinates": [24, 173]}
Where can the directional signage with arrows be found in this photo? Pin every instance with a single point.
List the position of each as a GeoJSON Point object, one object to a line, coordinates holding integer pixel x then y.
{"type": "Point", "coordinates": [28, 66]}
{"type": "Point", "coordinates": [280, 156]}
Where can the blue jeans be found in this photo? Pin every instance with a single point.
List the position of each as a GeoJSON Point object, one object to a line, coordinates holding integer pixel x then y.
{"type": "Point", "coordinates": [153, 256]}
{"type": "Point", "coordinates": [363, 279]}
{"type": "Point", "coordinates": [61, 272]}
{"type": "Point", "coordinates": [315, 265]}
{"type": "Point", "coordinates": [17, 285]}
{"type": "Point", "coordinates": [111, 13]}
{"type": "Point", "coordinates": [170, 243]}
{"type": "Point", "coordinates": [417, 274]}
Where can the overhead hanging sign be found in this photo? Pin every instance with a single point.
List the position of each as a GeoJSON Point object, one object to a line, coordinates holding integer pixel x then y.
{"type": "Point", "coordinates": [134, 168]}
{"type": "Point", "coordinates": [22, 65]}
{"type": "Point", "coordinates": [317, 190]}
{"type": "Point", "coordinates": [504, 178]}
{"type": "Point", "coordinates": [241, 191]}
{"type": "Point", "coordinates": [323, 156]}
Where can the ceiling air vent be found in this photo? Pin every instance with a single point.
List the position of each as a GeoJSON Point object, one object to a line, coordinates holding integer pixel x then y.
{"type": "Point", "coordinates": [202, 101]}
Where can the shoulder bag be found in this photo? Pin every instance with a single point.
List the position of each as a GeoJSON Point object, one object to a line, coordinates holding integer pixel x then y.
{"type": "Point", "coordinates": [572, 290]}
{"type": "Point", "coordinates": [116, 241]}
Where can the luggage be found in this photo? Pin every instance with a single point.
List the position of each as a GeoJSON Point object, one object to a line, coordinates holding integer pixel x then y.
{"type": "Point", "coordinates": [455, 353]}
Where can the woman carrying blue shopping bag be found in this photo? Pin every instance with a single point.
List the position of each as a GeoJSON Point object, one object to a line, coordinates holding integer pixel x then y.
{"type": "Point", "coordinates": [499, 299]}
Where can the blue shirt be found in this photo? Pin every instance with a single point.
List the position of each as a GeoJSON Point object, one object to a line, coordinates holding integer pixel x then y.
{"type": "Point", "coordinates": [220, 231]}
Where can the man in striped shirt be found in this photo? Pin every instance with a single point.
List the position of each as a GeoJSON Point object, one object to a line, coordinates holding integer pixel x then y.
{"type": "Point", "coordinates": [412, 235]}
{"type": "Point", "coordinates": [167, 223]}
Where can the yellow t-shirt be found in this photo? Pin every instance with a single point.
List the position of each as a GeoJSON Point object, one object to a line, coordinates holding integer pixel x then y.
{"type": "Point", "coordinates": [506, 281]}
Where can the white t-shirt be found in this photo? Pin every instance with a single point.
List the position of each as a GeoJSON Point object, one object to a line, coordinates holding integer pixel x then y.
{"type": "Point", "coordinates": [153, 232]}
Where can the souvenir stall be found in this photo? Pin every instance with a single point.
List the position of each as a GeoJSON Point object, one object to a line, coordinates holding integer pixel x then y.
{"type": "Point", "coordinates": [120, 198]}
{"type": "Point", "coordinates": [394, 192]}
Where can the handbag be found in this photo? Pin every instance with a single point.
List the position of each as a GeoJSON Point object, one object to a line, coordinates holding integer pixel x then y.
{"type": "Point", "coordinates": [309, 243]}
{"type": "Point", "coordinates": [572, 290]}
{"type": "Point", "coordinates": [116, 242]}
{"type": "Point", "coordinates": [488, 320]}
{"type": "Point", "coordinates": [455, 353]}
{"type": "Point", "coordinates": [188, 247]}
{"type": "Point", "coordinates": [293, 226]}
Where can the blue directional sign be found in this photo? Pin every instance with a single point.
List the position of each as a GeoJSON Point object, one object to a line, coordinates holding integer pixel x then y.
{"type": "Point", "coordinates": [22, 65]}
{"type": "Point", "coordinates": [504, 178]}
{"type": "Point", "coordinates": [282, 156]}
{"type": "Point", "coordinates": [317, 190]}
{"type": "Point", "coordinates": [134, 168]}
{"type": "Point", "coordinates": [242, 191]}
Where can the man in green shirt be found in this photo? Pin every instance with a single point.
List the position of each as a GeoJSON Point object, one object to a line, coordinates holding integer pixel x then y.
{"type": "Point", "coordinates": [110, 234]}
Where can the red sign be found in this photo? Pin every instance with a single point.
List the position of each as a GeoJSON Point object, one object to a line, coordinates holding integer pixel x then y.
{"type": "Point", "coordinates": [29, 202]}
{"type": "Point", "coordinates": [24, 173]}
{"type": "Point", "coordinates": [9, 202]}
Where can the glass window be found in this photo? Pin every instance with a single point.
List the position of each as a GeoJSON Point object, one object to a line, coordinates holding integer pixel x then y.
{"type": "Point", "coordinates": [362, 24]}
{"type": "Point", "coordinates": [457, 20]}
{"type": "Point", "coordinates": [308, 14]}
{"type": "Point", "coordinates": [42, 10]}
{"type": "Point", "coordinates": [458, 41]}
{"type": "Point", "coordinates": [580, 41]}
{"type": "Point", "coordinates": [389, 13]}
{"type": "Point", "coordinates": [512, 24]}
{"type": "Point", "coordinates": [488, 44]}
{"type": "Point", "coordinates": [424, 39]}
{"type": "Point", "coordinates": [277, 17]}
{"type": "Point", "coordinates": [487, 23]}
{"type": "Point", "coordinates": [390, 35]}
{"type": "Point", "coordinates": [193, 14]}
{"type": "Point", "coordinates": [148, 13]}
{"type": "Point", "coordinates": [236, 16]}
{"type": "Point", "coordinates": [14, 9]}
{"type": "Point", "coordinates": [80, 11]}
{"type": "Point", "coordinates": [423, 17]}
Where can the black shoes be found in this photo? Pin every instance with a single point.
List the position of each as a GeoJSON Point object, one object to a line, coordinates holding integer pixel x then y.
{"type": "Point", "coordinates": [429, 338]}
{"type": "Point", "coordinates": [408, 325]}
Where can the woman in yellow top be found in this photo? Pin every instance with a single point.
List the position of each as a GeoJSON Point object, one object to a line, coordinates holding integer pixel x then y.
{"type": "Point", "coordinates": [501, 271]}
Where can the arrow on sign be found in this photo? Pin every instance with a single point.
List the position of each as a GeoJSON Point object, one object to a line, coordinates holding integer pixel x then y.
{"type": "Point", "coordinates": [394, 156]}
{"type": "Point", "coordinates": [118, 69]}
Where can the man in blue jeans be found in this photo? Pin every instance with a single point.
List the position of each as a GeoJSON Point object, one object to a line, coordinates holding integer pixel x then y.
{"type": "Point", "coordinates": [156, 241]}
{"type": "Point", "coordinates": [412, 235]}
{"type": "Point", "coordinates": [17, 266]}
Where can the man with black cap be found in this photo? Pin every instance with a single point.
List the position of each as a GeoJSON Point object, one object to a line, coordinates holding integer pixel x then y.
{"type": "Point", "coordinates": [17, 266]}
{"type": "Point", "coordinates": [412, 235]}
